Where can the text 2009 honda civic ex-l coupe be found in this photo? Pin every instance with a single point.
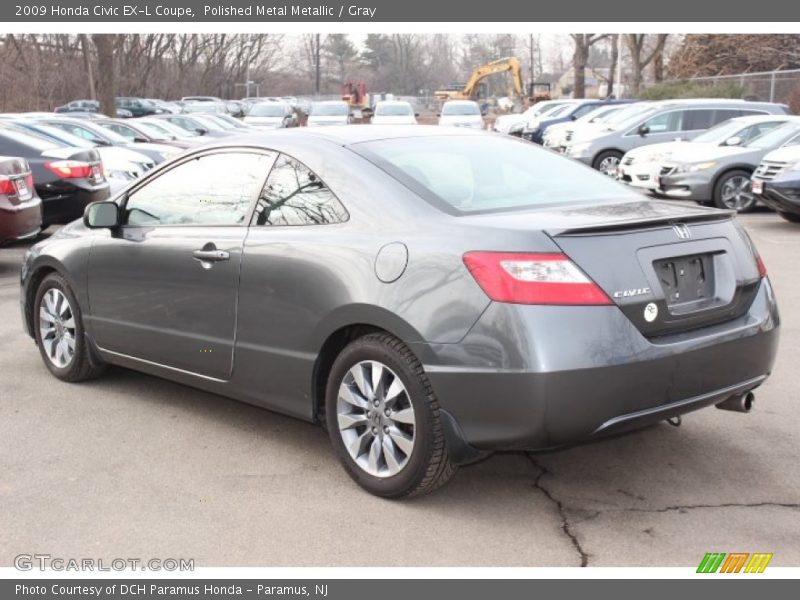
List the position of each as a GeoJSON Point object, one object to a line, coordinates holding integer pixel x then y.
{"type": "Point", "coordinates": [429, 295]}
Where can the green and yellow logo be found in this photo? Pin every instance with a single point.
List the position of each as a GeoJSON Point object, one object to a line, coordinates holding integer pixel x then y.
{"type": "Point", "coordinates": [735, 562]}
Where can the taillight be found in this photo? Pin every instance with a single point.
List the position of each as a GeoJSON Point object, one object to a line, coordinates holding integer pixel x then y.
{"type": "Point", "coordinates": [762, 269]}
{"type": "Point", "coordinates": [70, 169]}
{"type": "Point", "coordinates": [7, 186]}
{"type": "Point", "coordinates": [523, 278]}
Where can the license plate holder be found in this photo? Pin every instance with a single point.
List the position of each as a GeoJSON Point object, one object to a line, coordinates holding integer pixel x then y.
{"type": "Point", "coordinates": [23, 191]}
{"type": "Point", "coordinates": [757, 186]}
{"type": "Point", "coordinates": [686, 280]}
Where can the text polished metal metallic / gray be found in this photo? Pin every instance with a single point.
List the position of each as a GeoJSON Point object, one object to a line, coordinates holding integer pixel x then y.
{"type": "Point", "coordinates": [429, 294]}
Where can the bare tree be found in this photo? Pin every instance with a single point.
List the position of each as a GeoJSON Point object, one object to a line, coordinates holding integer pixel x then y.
{"type": "Point", "coordinates": [107, 71]}
{"type": "Point", "coordinates": [580, 56]}
{"type": "Point", "coordinates": [640, 58]}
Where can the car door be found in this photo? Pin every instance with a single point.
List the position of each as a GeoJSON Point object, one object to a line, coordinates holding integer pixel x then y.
{"type": "Point", "coordinates": [163, 286]}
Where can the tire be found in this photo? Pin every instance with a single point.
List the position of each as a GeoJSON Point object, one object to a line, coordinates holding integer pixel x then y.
{"type": "Point", "coordinates": [607, 162]}
{"type": "Point", "coordinates": [792, 217]}
{"type": "Point", "coordinates": [732, 191]}
{"type": "Point", "coordinates": [54, 299]}
{"type": "Point", "coordinates": [397, 467]}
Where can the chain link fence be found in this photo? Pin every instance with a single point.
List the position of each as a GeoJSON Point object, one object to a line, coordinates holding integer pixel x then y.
{"type": "Point", "coordinates": [767, 86]}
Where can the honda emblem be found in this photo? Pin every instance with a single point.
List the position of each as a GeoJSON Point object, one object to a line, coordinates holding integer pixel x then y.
{"type": "Point", "coordinates": [682, 231]}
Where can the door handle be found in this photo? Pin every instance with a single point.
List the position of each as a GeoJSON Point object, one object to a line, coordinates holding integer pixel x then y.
{"type": "Point", "coordinates": [211, 255]}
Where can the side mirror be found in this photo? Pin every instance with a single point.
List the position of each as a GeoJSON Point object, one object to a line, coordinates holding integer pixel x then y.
{"type": "Point", "coordinates": [201, 131]}
{"type": "Point", "coordinates": [101, 215]}
{"type": "Point", "coordinates": [644, 130]}
{"type": "Point", "coordinates": [140, 140]}
{"type": "Point", "coordinates": [438, 114]}
{"type": "Point", "coordinates": [572, 117]}
{"type": "Point", "coordinates": [416, 114]}
{"type": "Point", "coordinates": [733, 141]}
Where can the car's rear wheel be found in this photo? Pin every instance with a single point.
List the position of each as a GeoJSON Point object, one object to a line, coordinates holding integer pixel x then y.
{"type": "Point", "coordinates": [793, 217]}
{"type": "Point", "coordinates": [383, 419]}
{"type": "Point", "coordinates": [59, 332]}
{"type": "Point", "coordinates": [607, 162]}
{"type": "Point", "coordinates": [734, 191]}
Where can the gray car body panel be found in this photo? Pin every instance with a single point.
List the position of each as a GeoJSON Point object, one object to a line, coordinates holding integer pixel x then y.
{"type": "Point", "coordinates": [507, 376]}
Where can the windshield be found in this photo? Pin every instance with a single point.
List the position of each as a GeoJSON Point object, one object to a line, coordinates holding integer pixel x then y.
{"type": "Point", "coordinates": [466, 174]}
{"type": "Point", "coordinates": [267, 109]}
{"type": "Point", "coordinates": [775, 137]}
{"type": "Point", "coordinates": [210, 124]}
{"type": "Point", "coordinates": [170, 129]}
{"type": "Point", "coordinates": [334, 109]}
{"type": "Point", "coordinates": [63, 136]}
{"type": "Point", "coordinates": [598, 116]}
{"type": "Point", "coordinates": [559, 110]}
{"type": "Point", "coordinates": [633, 112]}
{"type": "Point", "coordinates": [720, 132]}
{"type": "Point", "coordinates": [32, 140]}
{"type": "Point", "coordinates": [393, 110]}
{"type": "Point", "coordinates": [237, 124]}
{"type": "Point", "coordinates": [154, 132]}
{"type": "Point", "coordinates": [460, 109]}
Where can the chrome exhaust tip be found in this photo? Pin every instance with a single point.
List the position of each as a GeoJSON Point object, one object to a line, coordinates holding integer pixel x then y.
{"type": "Point", "coordinates": [743, 403]}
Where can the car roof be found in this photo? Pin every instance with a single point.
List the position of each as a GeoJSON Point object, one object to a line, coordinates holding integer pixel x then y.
{"type": "Point", "coordinates": [346, 135]}
{"type": "Point", "coordinates": [460, 102]}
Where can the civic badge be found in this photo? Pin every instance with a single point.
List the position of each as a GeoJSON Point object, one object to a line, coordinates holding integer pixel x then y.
{"type": "Point", "coordinates": [682, 231]}
{"type": "Point", "coordinates": [650, 312]}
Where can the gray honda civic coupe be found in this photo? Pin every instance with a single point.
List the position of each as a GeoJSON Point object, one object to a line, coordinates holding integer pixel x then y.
{"type": "Point", "coordinates": [429, 295]}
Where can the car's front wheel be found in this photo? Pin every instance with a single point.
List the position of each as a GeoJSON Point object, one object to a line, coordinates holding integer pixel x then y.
{"type": "Point", "coordinates": [733, 190]}
{"type": "Point", "coordinates": [607, 162]}
{"type": "Point", "coordinates": [59, 332]}
{"type": "Point", "coordinates": [383, 419]}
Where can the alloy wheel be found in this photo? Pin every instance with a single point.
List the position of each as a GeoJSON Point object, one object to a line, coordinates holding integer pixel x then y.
{"type": "Point", "coordinates": [57, 328]}
{"type": "Point", "coordinates": [736, 193]}
{"type": "Point", "coordinates": [376, 419]}
{"type": "Point", "coordinates": [608, 166]}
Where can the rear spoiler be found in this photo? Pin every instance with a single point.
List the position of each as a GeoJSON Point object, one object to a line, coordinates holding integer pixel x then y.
{"type": "Point", "coordinates": [640, 223]}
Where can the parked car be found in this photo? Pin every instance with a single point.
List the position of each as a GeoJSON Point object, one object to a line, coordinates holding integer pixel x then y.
{"type": "Point", "coordinates": [776, 181]}
{"type": "Point", "coordinates": [387, 281]}
{"type": "Point", "coordinates": [139, 132]}
{"type": "Point", "coordinates": [171, 130]}
{"type": "Point", "coordinates": [205, 108]}
{"type": "Point", "coordinates": [331, 112]}
{"type": "Point", "coordinates": [272, 115]}
{"type": "Point", "coordinates": [234, 123]}
{"type": "Point", "coordinates": [535, 129]}
{"type": "Point", "coordinates": [641, 166]}
{"type": "Point", "coordinates": [67, 179]}
{"type": "Point", "coordinates": [120, 165]}
{"type": "Point", "coordinates": [504, 123]}
{"type": "Point", "coordinates": [195, 123]}
{"type": "Point", "coordinates": [166, 107]}
{"type": "Point", "coordinates": [105, 137]}
{"type": "Point", "coordinates": [138, 107]}
{"type": "Point", "coordinates": [84, 106]}
{"type": "Point", "coordinates": [201, 99]}
{"type": "Point", "coordinates": [394, 112]}
{"type": "Point", "coordinates": [20, 205]}
{"type": "Point", "coordinates": [558, 135]}
{"type": "Point", "coordinates": [662, 121]}
{"type": "Point", "coordinates": [235, 108]}
{"type": "Point", "coordinates": [461, 113]}
{"type": "Point", "coordinates": [722, 174]}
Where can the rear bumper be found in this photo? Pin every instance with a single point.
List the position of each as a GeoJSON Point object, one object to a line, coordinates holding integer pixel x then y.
{"type": "Point", "coordinates": [533, 377]}
{"type": "Point", "coordinates": [784, 198]}
{"type": "Point", "coordinates": [19, 222]}
{"type": "Point", "coordinates": [66, 203]}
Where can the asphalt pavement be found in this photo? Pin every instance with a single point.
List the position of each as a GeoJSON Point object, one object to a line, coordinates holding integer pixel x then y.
{"type": "Point", "coordinates": [133, 466]}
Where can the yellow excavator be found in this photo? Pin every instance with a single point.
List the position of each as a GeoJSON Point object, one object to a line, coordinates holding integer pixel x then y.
{"type": "Point", "coordinates": [471, 89]}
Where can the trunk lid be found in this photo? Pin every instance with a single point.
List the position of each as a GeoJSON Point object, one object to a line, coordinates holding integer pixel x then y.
{"type": "Point", "coordinates": [669, 267]}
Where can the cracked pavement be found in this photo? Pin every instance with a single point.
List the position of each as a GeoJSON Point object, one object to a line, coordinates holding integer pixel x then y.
{"type": "Point", "coordinates": [134, 466]}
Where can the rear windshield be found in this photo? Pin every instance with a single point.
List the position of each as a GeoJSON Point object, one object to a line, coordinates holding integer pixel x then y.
{"type": "Point", "coordinates": [330, 110]}
{"type": "Point", "coordinates": [393, 110]}
{"type": "Point", "coordinates": [484, 173]}
{"type": "Point", "coordinates": [460, 109]}
{"type": "Point", "coordinates": [271, 109]}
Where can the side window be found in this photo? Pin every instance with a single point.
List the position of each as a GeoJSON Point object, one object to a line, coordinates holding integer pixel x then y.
{"type": "Point", "coordinates": [123, 131]}
{"type": "Point", "coordinates": [294, 195]}
{"type": "Point", "coordinates": [80, 132]}
{"type": "Point", "coordinates": [758, 129]}
{"type": "Point", "coordinates": [215, 189]}
{"type": "Point", "coordinates": [721, 115]}
{"type": "Point", "coordinates": [665, 122]}
{"type": "Point", "coordinates": [695, 120]}
{"type": "Point", "coordinates": [752, 113]}
{"type": "Point", "coordinates": [584, 110]}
